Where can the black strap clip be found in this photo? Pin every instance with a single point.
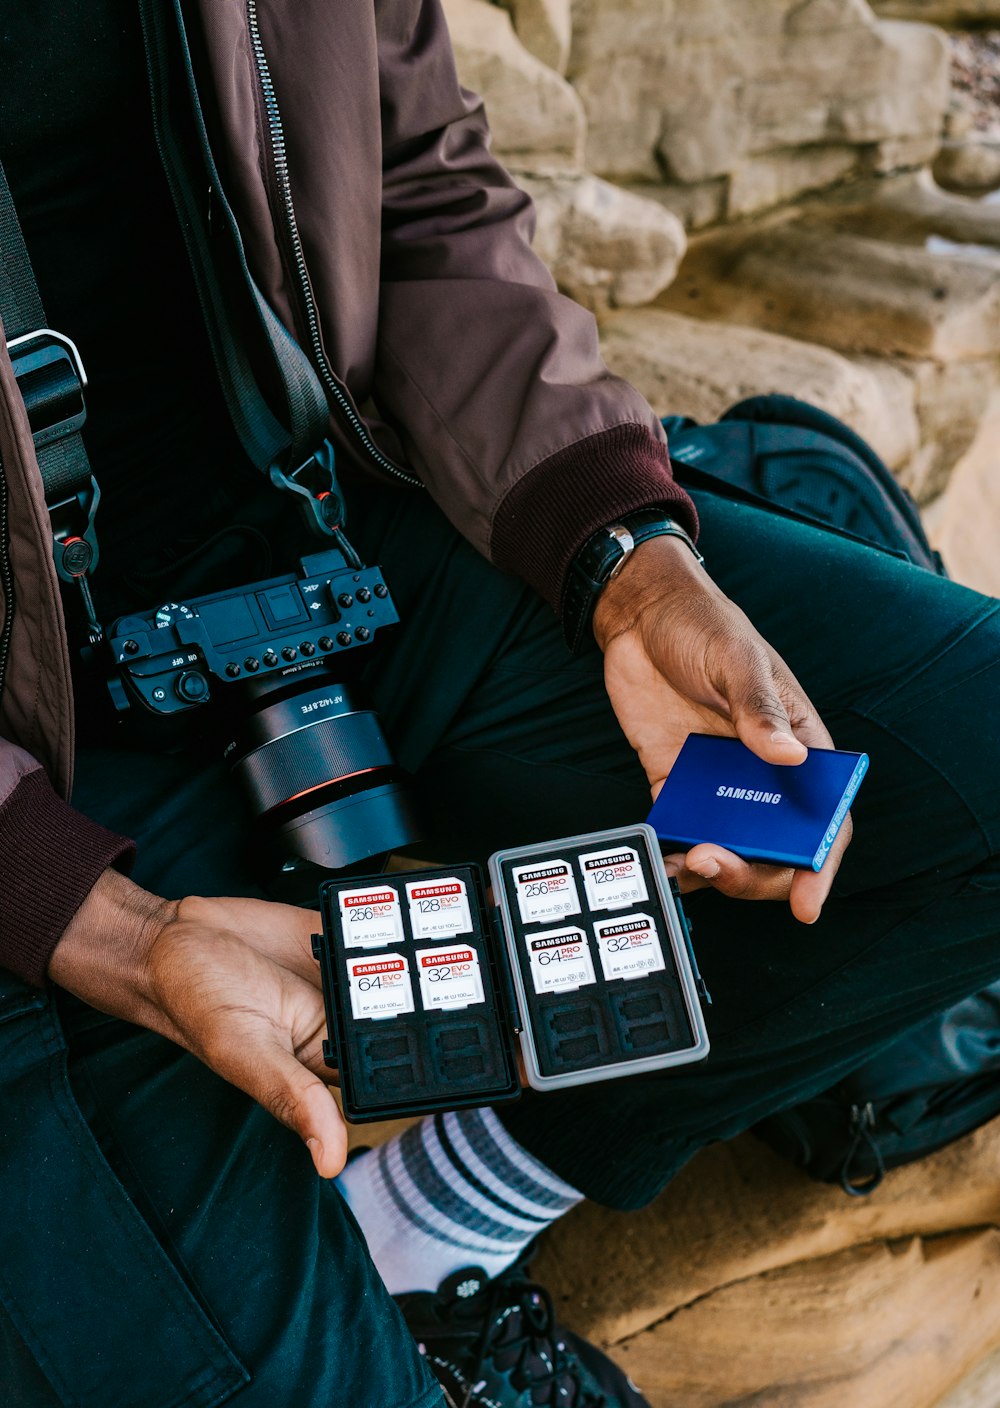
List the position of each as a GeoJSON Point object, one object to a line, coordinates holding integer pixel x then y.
{"type": "Point", "coordinates": [74, 546]}
{"type": "Point", "coordinates": [51, 380]}
{"type": "Point", "coordinates": [320, 498]}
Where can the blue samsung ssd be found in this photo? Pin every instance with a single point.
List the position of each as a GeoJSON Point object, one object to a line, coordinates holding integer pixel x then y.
{"type": "Point", "coordinates": [719, 791]}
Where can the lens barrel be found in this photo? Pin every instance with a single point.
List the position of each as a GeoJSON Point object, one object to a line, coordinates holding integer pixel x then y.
{"type": "Point", "coordinates": [318, 773]}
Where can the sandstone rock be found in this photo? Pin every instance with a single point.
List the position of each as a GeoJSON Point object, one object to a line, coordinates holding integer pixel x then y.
{"type": "Point", "coordinates": [736, 1211]}
{"type": "Point", "coordinates": [605, 247]}
{"type": "Point", "coordinates": [690, 91]}
{"type": "Point", "coordinates": [845, 290]}
{"type": "Point", "coordinates": [952, 401]}
{"type": "Point", "coordinates": [697, 205]}
{"type": "Point", "coordinates": [957, 13]}
{"type": "Point", "coordinates": [536, 118]}
{"type": "Point", "coordinates": [979, 1389]}
{"type": "Point", "coordinates": [544, 27]}
{"type": "Point", "coordinates": [759, 182]}
{"type": "Point", "coordinates": [684, 366]}
{"type": "Point", "coordinates": [912, 210]}
{"type": "Point", "coordinates": [968, 166]}
{"type": "Point", "coordinates": [959, 120]}
{"type": "Point", "coordinates": [902, 153]}
{"type": "Point", "coordinates": [962, 524]}
{"type": "Point", "coordinates": [888, 1325]}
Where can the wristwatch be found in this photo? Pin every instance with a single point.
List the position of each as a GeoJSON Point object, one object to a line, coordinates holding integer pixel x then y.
{"type": "Point", "coordinates": [601, 559]}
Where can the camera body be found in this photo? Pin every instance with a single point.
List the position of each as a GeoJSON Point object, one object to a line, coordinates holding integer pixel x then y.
{"type": "Point", "coordinates": [178, 656]}
{"type": "Point", "coordinates": [311, 758]}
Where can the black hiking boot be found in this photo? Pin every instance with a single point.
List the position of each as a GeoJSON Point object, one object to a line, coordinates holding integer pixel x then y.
{"type": "Point", "coordinates": [495, 1344]}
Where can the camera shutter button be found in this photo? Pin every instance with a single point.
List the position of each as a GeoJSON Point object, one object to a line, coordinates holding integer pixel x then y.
{"type": "Point", "coordinates": [191, 686]}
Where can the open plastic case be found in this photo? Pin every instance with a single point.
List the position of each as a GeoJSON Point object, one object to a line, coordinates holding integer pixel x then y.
{"type": "Point", "coordinates": [584, 957]}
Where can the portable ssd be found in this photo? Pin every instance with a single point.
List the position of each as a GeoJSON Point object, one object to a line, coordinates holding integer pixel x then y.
{"type": "Point", "coordinates": [719, 791]}
{"type": "Point", "coordinates": [583, 961]}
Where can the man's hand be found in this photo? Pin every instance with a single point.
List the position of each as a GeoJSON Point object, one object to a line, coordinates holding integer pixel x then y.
{"type": "Point", "coordinates": [231, 980]}
{"type": "Point", "coordinates": [680, 658]}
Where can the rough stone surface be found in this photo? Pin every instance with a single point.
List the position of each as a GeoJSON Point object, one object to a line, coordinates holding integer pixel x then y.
{"type": "Point", "coordinates": [952, 401]}
{"type": "Point", "coordinates": [848, 291]}
{"type": "Point", "coordinates": [606, 247]}
{"type": "Point", "coordinates": [968, 165]}
{"type": "Point", "coordinates": [544, 27]}
{"type": "Point", "coordinates": [737, 1211]}
{"type": "Point", "coordinates": [852, 1328]}
{"type": "Point", "coordinates": [760, 182]}
{"type": "Point", "coordinates": [958, 13]}
{"type": "Point", "coordinates": [979, 1389]}
{"type": "Point", "coordinates": [962, 524]}
{"type": "Point", "coordinates": [684, 366]}
{"type": "Point", "coordinates": [696, 205]}
{"type": "Point", "coordinates": [912, 210]}
{"type": "Point", "coordinates": [687, 92]}
{"type": "Point", "coordinates": [536, 118]}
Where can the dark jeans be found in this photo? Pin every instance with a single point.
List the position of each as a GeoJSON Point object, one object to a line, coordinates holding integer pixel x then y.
{"type": "Point", "coordinates": [153, 1209]}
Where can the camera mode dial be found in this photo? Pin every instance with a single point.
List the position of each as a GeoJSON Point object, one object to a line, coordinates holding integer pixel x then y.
{"type": "Point", "coordinates": [171, 613]}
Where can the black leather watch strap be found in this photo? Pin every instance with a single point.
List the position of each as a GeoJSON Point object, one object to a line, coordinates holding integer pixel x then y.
{"type": "Point", "coordinates": [601, 556]}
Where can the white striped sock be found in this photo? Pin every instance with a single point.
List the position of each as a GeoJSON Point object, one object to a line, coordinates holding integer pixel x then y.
{"type": "Point", "coordinates": [452, 1192]}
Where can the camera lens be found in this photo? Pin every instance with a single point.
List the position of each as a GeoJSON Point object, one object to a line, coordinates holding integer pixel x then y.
{"type": "Point", "coordinates": [319, 775]}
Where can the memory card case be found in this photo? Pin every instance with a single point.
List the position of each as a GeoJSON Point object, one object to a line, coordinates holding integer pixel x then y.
{"type": "Point", "coordinates": [582, 964]}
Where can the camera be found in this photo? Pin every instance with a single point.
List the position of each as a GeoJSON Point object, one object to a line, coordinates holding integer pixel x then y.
{"type": "Point", "coordinates": [311, 758]}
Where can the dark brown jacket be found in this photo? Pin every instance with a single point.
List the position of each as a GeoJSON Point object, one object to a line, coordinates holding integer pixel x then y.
{"type": "Point", "coordinates": [431, 304]}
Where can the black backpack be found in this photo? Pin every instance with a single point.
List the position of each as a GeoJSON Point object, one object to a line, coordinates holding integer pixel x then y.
{"type": "Point", "coordinates": [942, 1079]}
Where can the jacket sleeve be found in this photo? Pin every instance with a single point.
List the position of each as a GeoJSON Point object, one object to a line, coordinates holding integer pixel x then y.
{"type": "Point", "coordinates": [50, 859]}
{"type": "Point", "coordinates": [492, 378]}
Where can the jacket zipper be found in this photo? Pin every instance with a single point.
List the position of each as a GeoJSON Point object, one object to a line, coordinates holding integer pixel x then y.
{"type": "Point", "coordinates": [279, 157]}
{"type": "Point", "coordinates": [6, 582]}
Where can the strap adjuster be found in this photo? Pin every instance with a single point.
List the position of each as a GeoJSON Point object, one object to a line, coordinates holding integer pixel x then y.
{"type": "Point", "coordinates": [51, 380]}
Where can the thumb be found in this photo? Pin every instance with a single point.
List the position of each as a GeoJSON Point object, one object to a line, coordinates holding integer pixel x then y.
{"type": "Point", "coordinates": [300, 1100]}
{"type": "Point", "coordinates": [761, 719]}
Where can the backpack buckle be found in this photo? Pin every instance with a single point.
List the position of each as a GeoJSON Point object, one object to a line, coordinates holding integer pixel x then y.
{"type": "Point", "coordinates": [51, 379]}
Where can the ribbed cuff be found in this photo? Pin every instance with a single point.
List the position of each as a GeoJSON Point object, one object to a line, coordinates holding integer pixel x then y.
{"type": "Point", "coordinates": [50, 859]}
{"type": "Point", "coordinates": [549, 514]}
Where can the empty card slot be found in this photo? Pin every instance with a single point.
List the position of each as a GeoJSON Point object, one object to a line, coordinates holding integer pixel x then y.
{"type": "Point", "coordinates": [648, 1034]}
{"type": "Point", "coordinates": [579, 1048]}
{"type": "Point", "coordinates": [574, 1021]}
{"type": "Point", "coordinates": [464, 1066]}
{"type": "Point", "coordinates": [647, 1004]}
{"type": "Point", "coordinates": [393, 1077]}
{"type": "Point", "coordinates": [391, 1047]}
{"type": "Point", "coordinates": [389, 1061]}
{"type": "Point", "coordinates": [574, 1034]}
{"type": "Point", "coordinates": [459, 1038]}
{"type": "Point", "coordinates": [461, 1051]}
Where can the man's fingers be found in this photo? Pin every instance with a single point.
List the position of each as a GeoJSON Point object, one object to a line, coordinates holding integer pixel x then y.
{"type": "Point", "coordinates": [810, 888]}
{"type": "Point", "coordinates": [712, 866]}
{"type": "Point", "coordinates": [299, 1099]}
{"type": "Point", "coordinates": [709, 866]}
{"type": "Point", "coordinates": [770, 711]}
{"type": "Point", "coordinates": [761, 719]}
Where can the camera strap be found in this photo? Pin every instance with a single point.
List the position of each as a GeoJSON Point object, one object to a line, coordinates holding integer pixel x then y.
{"type": "Point", "coordinates": [51, 380]}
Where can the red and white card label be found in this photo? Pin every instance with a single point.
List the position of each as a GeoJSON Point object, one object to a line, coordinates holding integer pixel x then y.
{"type": "Point", "coordinates": [438, 908]}
{"type": "Point", "coordinates": [629, 947]}
{"type": "Point", "coordinates": [546, 890]}
{"type": "Point", "coordinates": [449, 976]}
{"type": "Point", "coordinates": [613, 879]}
{"type": "Point", "coordinates": [380, 985]}
{"type": "Point", "coordinates": [560, 960]}
{"type": "Point", "coordinates": [371, 917]}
